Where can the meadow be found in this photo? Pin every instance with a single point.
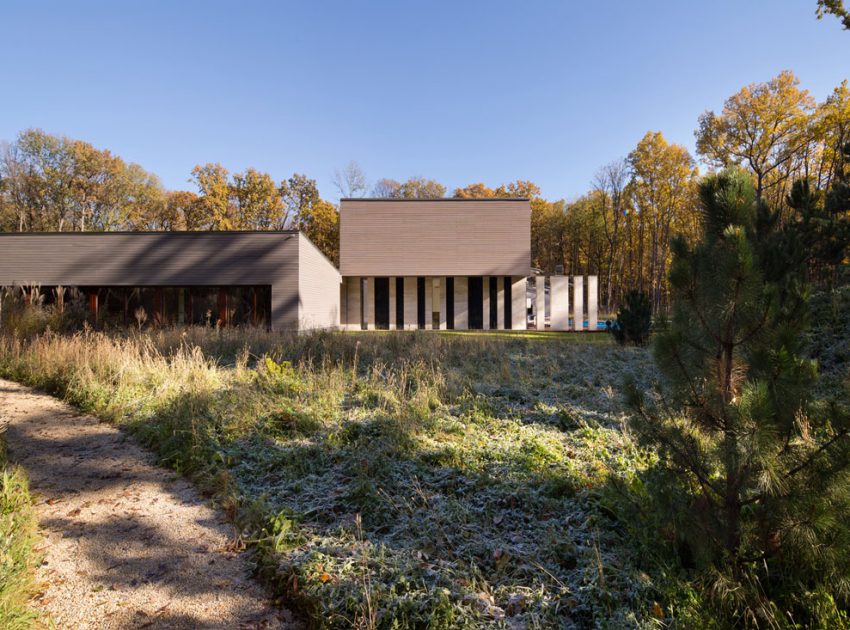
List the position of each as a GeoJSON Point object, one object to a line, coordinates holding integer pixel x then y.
{"type": "Point", "coordinates": [390, 480]}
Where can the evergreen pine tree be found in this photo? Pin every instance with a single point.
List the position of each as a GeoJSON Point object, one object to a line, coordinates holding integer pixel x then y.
{"type": "Point", "coordinates": [634, 319]}
{"type": "Point", "coordinates": [759, 470]}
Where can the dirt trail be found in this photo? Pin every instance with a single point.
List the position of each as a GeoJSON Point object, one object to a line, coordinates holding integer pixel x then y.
{"type": "Point", "coordinates": [128, 544]}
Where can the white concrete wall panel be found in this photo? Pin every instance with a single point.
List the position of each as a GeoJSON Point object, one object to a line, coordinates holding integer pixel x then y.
{"type": "Point", "coordinates": [578, 303]}
{"type": "Point", "coordinates": [519, 302]}
{"type": "Point", "coordinates": [486, 306]}
{"type": "Point", "coordinates": [592, 302]}
{"type": "Point", "coordinates": [392, 303]}
{"type": "Point", "coordinates": [352, 302]}
{"type": "Point", "coordinates": [429, 303]}
{"type": "Point", "coordinates": [540, 302]}
{"type": "Point", "coordinates": [443, 318]}
{"type": "Point", "coordinates": [410, 316]}
{"type": "Point", "coordinates": [559, 302]}
{"type": "Point", "coordinates": [461, 303]}
{"type": "Point", "coordinates": [369, 299]}
{"type": "Point", "coordinates": [500, 303]}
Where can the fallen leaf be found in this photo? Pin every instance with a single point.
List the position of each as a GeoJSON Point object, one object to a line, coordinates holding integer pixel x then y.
{"type": "Point", "coordinates": [657, 611]}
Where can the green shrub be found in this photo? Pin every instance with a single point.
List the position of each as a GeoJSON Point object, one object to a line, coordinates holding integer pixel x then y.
{"type": "Point", "coordinates": [634, 320]}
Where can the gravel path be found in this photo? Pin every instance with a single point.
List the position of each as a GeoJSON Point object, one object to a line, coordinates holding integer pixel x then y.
{"type": "Point", "coordinates": [128, 544]}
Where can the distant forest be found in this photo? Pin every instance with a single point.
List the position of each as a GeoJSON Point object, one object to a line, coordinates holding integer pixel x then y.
{"type": "Point", "coordinates": [620, 229]}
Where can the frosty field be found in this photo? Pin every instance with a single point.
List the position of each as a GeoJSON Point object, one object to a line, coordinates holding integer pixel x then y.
{"type": "Point", "coordinates": [390, 480]}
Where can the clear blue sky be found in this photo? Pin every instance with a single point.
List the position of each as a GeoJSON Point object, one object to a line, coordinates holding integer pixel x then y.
{"type": "Point", "coordinates": [458, 91]}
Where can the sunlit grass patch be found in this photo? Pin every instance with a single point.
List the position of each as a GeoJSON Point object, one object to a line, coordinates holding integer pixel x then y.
{"type": "Point", "coordinates": [392, 480]}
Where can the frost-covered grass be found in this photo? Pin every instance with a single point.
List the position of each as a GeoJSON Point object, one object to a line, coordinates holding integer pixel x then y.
{"type": "Point", "coordinates": [395, 480]}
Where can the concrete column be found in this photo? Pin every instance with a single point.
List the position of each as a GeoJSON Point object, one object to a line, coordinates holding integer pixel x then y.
{"type": "Point", "coordinates": [354, 318]}
{"type": "Point", "coordinates": [429, 303]}
{"type": "Point", "coordinates": [592, 301]}
{"type": "Point", "coordinates": [392, 303]}
{"type": "Point", "coordinates": [443, 309]}
{"type": "Point", "coordinates": [369, 300]}
{"type": "Point", "coordinates": [343, 304]}
{"type": "Point", "coordinates": [519, 303]}
{"type": "Point", "coordinates": [540, 302]}
{"type": "Point", "coordinates": [485, 281]}
{"type": "Point", "coordinates": [578, 303]}
{"type": "Point", "coordinates": [559, 303]}
{"type": "Point", "coordinates": [500, 303]}
{"type": "Point", "coordinates": [461, 303]}
{"type": "Point", "coordinates": [410, 319]}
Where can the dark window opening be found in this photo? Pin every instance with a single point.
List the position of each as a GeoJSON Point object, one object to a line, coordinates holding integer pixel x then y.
{"type": "Point", "coordinates": [508, 303]}
{"type": "Point", "coordinates": [420, 302]}
{"type": "Point", "coordinates": [494, 303]}
{"type": "Point", "coordinates": [382, 303]}
{"type": "Point", "coordinates": [399, 303]}
{"type": "Point", "coordinates": [146, 307]}
{"type": "Point", "coordinates": [476, 303]}
{"type": "Point", "coordinates": [450, 303]}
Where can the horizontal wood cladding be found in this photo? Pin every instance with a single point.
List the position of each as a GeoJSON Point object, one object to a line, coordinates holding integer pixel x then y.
{"type": "Point", "coordinates": [435, 237]}
{"type": "Point", "coordinates": [160, 259]}
{"type": "Point", "coordinates": [318, 288]}
{"type": "Point", "coordinates": [148, 259]}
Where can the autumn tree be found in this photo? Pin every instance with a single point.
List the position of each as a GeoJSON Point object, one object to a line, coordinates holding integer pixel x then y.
{"type": "Point", "coordinates": [320, 223]}
{"type": "Point", "coordinates": [831, 127]}
{"type": "Point", "coordinates": [421, 188]}
{"type": "Point", "coordinates": [549, 235]}
{"type": "Point", "coordinates": [520, 188]}
{"type": "Point", "coordinates": [663, 176]}
{"type": "Point", "coordinates": [474, 191]}
{"type": "Point", "coordinates": [51, 183]}
{"type": "Point", "coordinates": [299, 193]}
{"type": "Point", "coordinates": [213, 196]}
{"type": "Point", "coordinates": [143, 201]}
{"type": "Point", "coordinates": [413, 188]}
{"type": "Point", "coordinates": [256, 200]}
{"type": "Point", "coordinates": [517, 189]}
{"type": "Point", "coordinates": [761, 128]}
{"type": "Point", "coordinates": [386, 188]}
{"type": "Point", "coordinates": [610, 186]}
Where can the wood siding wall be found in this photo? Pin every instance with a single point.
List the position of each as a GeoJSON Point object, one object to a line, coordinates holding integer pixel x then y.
{"type": "Point", "coordinates": [318, 288]}
{"type": "Point", "coordinates": [160, 259]}
{"type": "Point", "coordinates": [435, 237]}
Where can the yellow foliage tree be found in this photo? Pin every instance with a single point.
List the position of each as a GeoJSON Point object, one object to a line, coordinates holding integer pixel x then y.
{"type": "Point", "coordinates": [762, 128]}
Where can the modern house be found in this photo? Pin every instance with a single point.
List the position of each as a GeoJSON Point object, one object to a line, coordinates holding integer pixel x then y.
{"type": "Point", "coordinates": [278, 279]}
{"type": "Point", "coordinates": [434, 263]}
{"type": "Point", "coordinates": [404, 264]}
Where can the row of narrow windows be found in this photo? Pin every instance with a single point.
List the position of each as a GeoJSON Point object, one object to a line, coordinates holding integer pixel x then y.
{"type": "Point", "coordinates": [475, 303]}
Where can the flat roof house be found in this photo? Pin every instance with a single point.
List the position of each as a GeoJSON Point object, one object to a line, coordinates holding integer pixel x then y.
{"type": "Point", "coordinates": [404, 264]}
{"type": "Point", "coordinates": [434, 263]}
{"type": "Point", "coordinates": [278, 279]}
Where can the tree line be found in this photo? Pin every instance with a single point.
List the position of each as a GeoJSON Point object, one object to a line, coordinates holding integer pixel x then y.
{"type": "Point", "coordinates": [620, 229]}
